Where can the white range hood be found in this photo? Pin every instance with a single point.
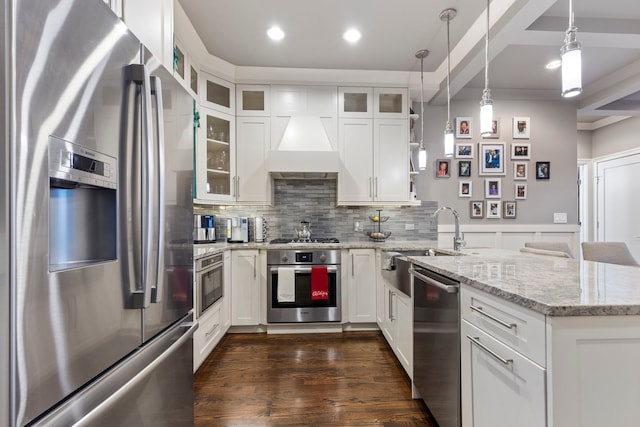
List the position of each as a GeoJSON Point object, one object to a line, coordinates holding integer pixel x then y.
{"type": "Point", "coordinates": [304, 148]}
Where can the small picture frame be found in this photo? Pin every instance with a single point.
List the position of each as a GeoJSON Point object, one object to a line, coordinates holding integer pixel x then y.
{"type": "Point", "coordinates": [520, 191]}
{"type": "Point", "coordinates": [464, 127]}
{"type": "Point", "coordinates": [520, 151]}
{"type": "Point", "coordinates": [443, 168]}
{"type": "Point", "coordinates": [509, 209]}
{"type": "Point", "coordinates": [464, 168]}
{"type": "Point", "coordinates": [543, 170]}
{"type": "Point", "coordinates": [465, 189]}
{"type": "Point", "coordinates": [520, 170]}
{"type": "Point", "coordinates": [476, 209]}
{"type": "Point", "coordinates": [464, 151]}
{"type": "Point", "coordinates": [521, 127]}
{"type": "Point", "coordinates": [495, 130]}
{"type": "Point", "coordinates": [492, 158]}
{"type": "Point", "coordinates": [492, 188]}
{"type": "Point", "coordinates": [494, 209]}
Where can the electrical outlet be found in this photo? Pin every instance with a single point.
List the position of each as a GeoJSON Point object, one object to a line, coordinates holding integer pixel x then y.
{"type": "Point", "coordinates": [559, 217]}
{"type": "Point", "coordinates": [409, 227]}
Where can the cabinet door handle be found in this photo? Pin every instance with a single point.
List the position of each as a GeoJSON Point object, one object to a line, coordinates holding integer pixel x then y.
{"type": "Point", "coordinates": [370, 188]}
{"type": "Point", "coordinates": [476, 341]}
{"type": "Point", "coordinates": [353, 274]}
{"type": "Point", "coordinates": [237, 187]}
{"type": "Point", "coordinates": [390, 305]}
{"type": "Point", "coordinates": [254, 266]}
{"type": "Point", "coordinates": [376, 187]}
{"type": "Point", "coordinates": [211, 331]}
{"type": "Point", "coordinates": [480, 311]}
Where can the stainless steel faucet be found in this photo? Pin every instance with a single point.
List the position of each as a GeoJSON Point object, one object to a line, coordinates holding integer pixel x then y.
{"type": "Point", "coordinates": [458, 238]}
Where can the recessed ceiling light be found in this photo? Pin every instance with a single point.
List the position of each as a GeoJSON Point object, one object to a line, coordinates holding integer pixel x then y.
{"type": "Point", "coordinates": [556, 63]}
{"type": "Point", "coordinates": [352, 35]}
{"type": "Point", "coordinates": [275, 33]}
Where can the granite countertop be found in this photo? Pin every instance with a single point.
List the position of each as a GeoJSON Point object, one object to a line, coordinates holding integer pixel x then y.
{"type": "Point", "coordinates": [550, 285]}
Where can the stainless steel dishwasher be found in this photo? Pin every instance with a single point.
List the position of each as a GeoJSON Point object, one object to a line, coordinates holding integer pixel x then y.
{"type": "Point", "coordinates": [436, 344]}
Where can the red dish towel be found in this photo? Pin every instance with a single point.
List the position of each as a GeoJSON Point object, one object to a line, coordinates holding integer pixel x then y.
{"type": "Point", "coordinates": [319, 283]}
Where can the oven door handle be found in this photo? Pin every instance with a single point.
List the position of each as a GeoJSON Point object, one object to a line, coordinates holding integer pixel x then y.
{"type": "Point", "coordinates": [303, 269]}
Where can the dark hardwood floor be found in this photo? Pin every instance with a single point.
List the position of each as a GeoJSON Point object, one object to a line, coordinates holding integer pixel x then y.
{"type": "Point", "coordinates": [348, 379]}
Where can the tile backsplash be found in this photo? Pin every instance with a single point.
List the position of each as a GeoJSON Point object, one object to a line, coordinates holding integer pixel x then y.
{"type": "Point", "coordinates": [314, 200]}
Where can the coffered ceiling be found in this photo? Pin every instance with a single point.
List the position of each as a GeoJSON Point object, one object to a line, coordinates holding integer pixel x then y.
{"type": "Point", "coordinates": [525, 35]}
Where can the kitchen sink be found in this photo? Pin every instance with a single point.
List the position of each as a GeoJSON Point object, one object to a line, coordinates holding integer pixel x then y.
{"type": "Point", "coordinates": [395, 266]}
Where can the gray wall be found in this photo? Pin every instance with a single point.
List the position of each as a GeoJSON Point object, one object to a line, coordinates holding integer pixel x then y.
{"type": "Point", "coordinates": [553, 138]}
{"type": "Point", "coordinates": [315, 201]}
{"type": "Point", "coordinates": [620, 136]}
{"type": "Point", "coordinates": [584, 144]}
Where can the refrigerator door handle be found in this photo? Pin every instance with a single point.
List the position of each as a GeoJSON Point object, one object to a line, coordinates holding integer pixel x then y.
{"type": "Point", "coordinates": [156, 93]}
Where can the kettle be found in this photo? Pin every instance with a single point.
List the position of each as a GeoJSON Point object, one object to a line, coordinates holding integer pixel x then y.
{"type": "Point", "coordinates": [304, 231]}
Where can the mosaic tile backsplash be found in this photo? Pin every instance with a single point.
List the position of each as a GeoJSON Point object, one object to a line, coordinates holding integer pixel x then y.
{"type": "Point", "coordinates": [315, 201]}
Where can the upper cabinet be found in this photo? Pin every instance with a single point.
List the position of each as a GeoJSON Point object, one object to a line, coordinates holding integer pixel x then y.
{"type": "Point", "coordinates": [115, 6]}
{"type": "Point", "coordinates": [390, 103]}
{"type": "Point", "coordinates": [253, 100]}
{"type": "Point", "coordinates": [355, 102]}
{"type": "Point", "coordinates": [218, 94]}
{"type": "Point", "coordinates": [152, 22]}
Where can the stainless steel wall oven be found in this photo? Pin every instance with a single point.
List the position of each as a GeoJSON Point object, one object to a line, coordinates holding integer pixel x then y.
{"type": "Point", "coordinates": [303, 286]}
{"type": "Point", "coordinates": [209, 281]}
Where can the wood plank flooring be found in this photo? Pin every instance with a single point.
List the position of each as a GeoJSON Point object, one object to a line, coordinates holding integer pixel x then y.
{"type": "Point", "coordinates": [348, 379]}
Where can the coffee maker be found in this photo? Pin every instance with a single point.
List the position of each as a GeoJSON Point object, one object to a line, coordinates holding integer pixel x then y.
{"type": "Point", "coordinates": [238, 229]}
{"type": "Point", "coordinates": [204, 230]}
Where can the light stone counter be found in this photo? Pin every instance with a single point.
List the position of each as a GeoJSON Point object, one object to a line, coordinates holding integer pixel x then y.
{"type": "Point", "coordinates": [549, 285]}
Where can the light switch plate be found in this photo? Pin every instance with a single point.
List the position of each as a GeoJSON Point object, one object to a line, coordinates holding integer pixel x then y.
{"type": "Point", "coordinates": [560, 218]}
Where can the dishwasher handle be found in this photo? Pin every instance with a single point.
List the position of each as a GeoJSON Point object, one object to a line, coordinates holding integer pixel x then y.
{"type": "Point", "coordinates": [451, 289]}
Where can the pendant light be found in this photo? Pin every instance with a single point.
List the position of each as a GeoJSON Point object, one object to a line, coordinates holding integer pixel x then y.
{"type": "Point", "coordinates": [486, 103]}
{"type": "Point", "coordinates": [422, 151]}
{"type": "Point", "coordinates": [571, 60]}
{"type": "Point", "coordinates": [447, 15]}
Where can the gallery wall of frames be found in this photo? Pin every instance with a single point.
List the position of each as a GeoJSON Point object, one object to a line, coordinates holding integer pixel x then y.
{"type": "Point", "coordinates": [508, 174]}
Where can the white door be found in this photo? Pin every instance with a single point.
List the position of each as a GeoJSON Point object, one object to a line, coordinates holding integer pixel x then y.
{"type": "Point", "coordinates": [618, 206]}
{"type": "Point", "coordinates": [252, 145]}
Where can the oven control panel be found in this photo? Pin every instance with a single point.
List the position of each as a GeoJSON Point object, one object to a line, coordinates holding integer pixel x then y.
{"type": "Point", "coordinates": [301, 257]}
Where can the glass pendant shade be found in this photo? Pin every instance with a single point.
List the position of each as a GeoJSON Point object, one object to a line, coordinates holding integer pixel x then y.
{"type": "Point", "coordinates": [422, 159]}
{"type": "Point", "coordinates": [448, 140]}
{"type": "Point", "coordinates": [486, 114]}
{"type": "Point", "coordinates": [571, 66]}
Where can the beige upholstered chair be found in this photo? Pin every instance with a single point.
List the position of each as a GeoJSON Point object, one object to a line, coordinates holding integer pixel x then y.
{"type": "Point", "coordinates": [560, 249]}
{"type": "Point", "coordinates": [609, 252]}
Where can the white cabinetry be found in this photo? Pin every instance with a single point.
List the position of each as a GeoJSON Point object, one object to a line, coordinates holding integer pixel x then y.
{"type": "Point", "coordinates": [355, 182]}
{"type": "Point", "coordinates": [253, 100]}
{"type": "Point", "coordinates": [355, 102]}
{"type": "Point", "coordinates": [115, 6]}
{"type": "Point", "coordinates": [361, 284]}
{"type": "Point", "coordinates": [503, 371]}
{"type": "Point", "coordinates": [215, 157]}
{"type": "Point", "coordinates": [390, 103]}
{"type": "Point", "coordinates": [395, 319]}
{"type": "Point", "coordinates": [217, 94]}
{"type": "Point", "coordinates": [152, 22]}
{"type": "Point", "coordinates": [245, 288]}
{"type": "Point", "coordinates": [391, 160]}
{"type": "Point", "coordinates": [208, 334]}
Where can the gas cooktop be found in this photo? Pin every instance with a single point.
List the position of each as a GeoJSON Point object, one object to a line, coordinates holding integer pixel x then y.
{"type": "Point", "coordinates": [311, 240]}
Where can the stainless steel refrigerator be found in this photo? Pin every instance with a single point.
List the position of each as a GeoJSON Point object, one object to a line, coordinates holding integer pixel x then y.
{"type": "Point", "coordinates": [95, 223]}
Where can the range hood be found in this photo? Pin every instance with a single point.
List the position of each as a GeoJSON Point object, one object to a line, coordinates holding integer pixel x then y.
{"type": "Point", "coordinates": [304, 149]}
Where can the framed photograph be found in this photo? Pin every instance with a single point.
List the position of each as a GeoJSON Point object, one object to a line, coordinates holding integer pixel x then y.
{"type": "Point", "coordinates": [443, 168]}
{"type": "Point", "coordinates": [520, 151]}
{"type": "Point", "coordinates": [521, 127]}
{"type": "Point", "coordinates": [464, 151]}
{"type": "Point", "coordinates": [509, 209]}
{"type": "Point", "coordinates": [521, 191]}
{"type": "Point", "coordinates": [495, 129]}
{"type": "Point", "coordinates": [492, 158]}
{"type": "Point", "coordinates": [492, 188]}
{"type": "Point", "coordinates": [464, 127]}
{"type": "Point", "coordinates": [476, 209]}
{"type": "Point", "coordinates": [520, 170]}
{"type": "Point", "coordinates": [465, 189]}
{"type": "Point", "coordinates": [494, 208]}
{"type": "Point", "coordinates": [543, 170]}
{"type": "Point", "coordinates": [464, 168]}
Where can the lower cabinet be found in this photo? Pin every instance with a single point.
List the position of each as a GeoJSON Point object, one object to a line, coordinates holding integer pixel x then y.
{"type": "Point", "coordinates": [361, 285]}
{"type": "Point", "coordinates": [396, 324]}
{"type": "Point", "coordinates": [245, 289]}
{"type": "Point", "coordinates": [500, 387]}
{"type": "Point", "coordinates": [208, 334]}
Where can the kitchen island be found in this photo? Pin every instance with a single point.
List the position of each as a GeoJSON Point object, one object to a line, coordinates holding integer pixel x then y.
{"type": "Point", "coordinates": [545, 341]}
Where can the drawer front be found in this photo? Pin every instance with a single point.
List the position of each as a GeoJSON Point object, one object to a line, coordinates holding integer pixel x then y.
{"type": "Point", "coordinates": [206, 336]}
{"type": "Point", "coordinates": [515, 326]}
{"type": "Point", "coordinates": [500, 387]}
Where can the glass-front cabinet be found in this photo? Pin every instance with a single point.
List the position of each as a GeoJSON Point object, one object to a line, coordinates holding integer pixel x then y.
{"type": "Point", "coordinates": [390, 103]}
{"type": "Point", "coordinates": [355, 102]}
{"type": "Point", "coordinates": [253, 100]}
{"type": "Point", "coordinates": [217, 94]}
{"type": "Point", "coordinates": [215, 157]}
